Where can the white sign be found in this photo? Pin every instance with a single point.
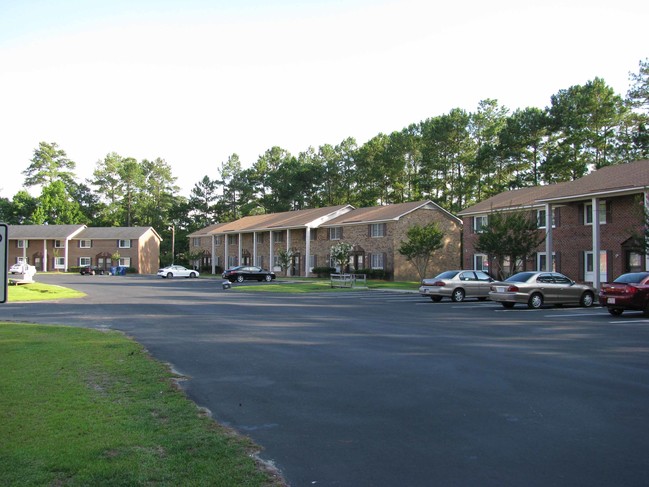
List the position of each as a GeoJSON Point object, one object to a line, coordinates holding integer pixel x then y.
{"type": "Point", "coordinates": [4, 239]}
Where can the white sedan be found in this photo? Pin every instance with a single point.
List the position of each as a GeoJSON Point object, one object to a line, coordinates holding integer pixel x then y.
{"type": "Point", "coordinates": [176, 271]}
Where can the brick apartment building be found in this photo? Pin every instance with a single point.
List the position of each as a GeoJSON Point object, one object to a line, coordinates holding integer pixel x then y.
{"type": "Point", "coordinates": [376, 234]}
{"type": "Point", "coordinates": [61, 247]}
{"type": "Point", "coordinates": [591, 223]}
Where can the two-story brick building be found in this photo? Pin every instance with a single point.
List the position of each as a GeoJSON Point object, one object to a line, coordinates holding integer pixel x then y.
{"type": "Point", "coordinates": [591, 224]}
{"type": "Point", "coordinates": [376, 234]}
{"type": "Point", "coordinates": [60, 247]}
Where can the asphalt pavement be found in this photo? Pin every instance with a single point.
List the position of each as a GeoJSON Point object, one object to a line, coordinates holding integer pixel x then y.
{"type": "Point", "coordinates": [376, 388]}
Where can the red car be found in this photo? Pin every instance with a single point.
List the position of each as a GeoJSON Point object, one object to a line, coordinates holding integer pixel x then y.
{"type": "Point", "coordinates": [628, 292]}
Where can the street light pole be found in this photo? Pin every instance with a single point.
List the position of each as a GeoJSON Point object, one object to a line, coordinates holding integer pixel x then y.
{"type": "Point", "coordinates": [173, 244]}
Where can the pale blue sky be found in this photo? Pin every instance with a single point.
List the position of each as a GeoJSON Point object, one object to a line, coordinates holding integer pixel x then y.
{"type": "Point", "coordinates": [195, 81]}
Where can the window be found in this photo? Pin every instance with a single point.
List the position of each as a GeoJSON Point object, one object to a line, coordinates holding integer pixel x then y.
{"type": "Point", "coordinates": [335, 233]}
{"type": "Point", "coordinates": [260, 238]}
{"type": "Point", "coordinates": [260, 261]}
{"type": "Point", "coordinates": [541, 217]}
{"type": "Point", "coordinates": [479, 222]}
{"type": "Point", "coordinates": [22, 244]}
{"type": "Point", "coordinates": [232, 260]}
{"type": "Point", "coordinates": [125, 261]}
{"type": "Point", "coordinates": [232, 239]}
{"type": "Point", "coordinates": [377, 261]}
{"type": "Point", "coordinates": [314, 234]}
{"type": "Point", "coordinates": [59, 263]}
{"type": "Point", "coordinates": [481, 262]}
{"type": "Point", "coordinates": [124, 244]}
{"type": "Point", "coordinates": [84, 261]}
{"type": "Point", "coordinates": [278, 237]}
{"type": "Point", "coordinates": [59, 244]}
{"type": "Point", "coordinates": [377, 230]}
{"type": "Point", "coordinates": [313, 261]}
{"type": "Point", "coordinates": [217, 240]}
{"type": "Point", "coordinates": [196, 241]}
{"type": "Point", "coordinates": [85, 244]}
{"type": "Point", "coordinates": [541, 261]}
{"type": "Point", "coordinates": [588, 213]}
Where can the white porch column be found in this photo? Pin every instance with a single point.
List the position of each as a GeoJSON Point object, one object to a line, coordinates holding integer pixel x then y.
{"type": "Point", "coordinates": [548, 238]}
{"type": "Point", "coordinates": [239, 252]}
{"type": "Point", "coordinates": [44, 265]}
{"type": "Point", "coordinates": [289, 270]}
{"type": "Point", "coordinates": [226, 243]}
{"type": "Point", "coordinates": [254, 248]}
{"type": "Point", "coordinates": [596, 244]}
{"type": "Point", "coordinates": [271, 264]}
{"type": "Point", "coordinates": [213, 254]}
{"type": "Point", "coordinates": [307, 253]}
{"type": "Point", "coordinates": [67, 244]}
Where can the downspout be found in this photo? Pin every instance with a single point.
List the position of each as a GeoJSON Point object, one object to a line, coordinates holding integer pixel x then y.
{"type": "Point", "coordinates": [596, 244]}
{"type": "Point", "coordinates": [548, 238]}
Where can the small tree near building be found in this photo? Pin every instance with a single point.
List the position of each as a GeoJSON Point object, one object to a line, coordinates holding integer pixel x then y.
{"type": "Point", "coordinates": [340, 254]}
{"type": "Point", "coordinates": [284, 257]}
{"type": "Point", "coordinates": [422, 243]}
{"type": "Point", "coordinates": [512, 236]}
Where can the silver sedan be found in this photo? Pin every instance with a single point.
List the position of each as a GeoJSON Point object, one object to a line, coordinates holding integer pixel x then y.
{"type": "Point", "coordinates": [538, 288]}
{"type": "Point", "coordinates": [457, 285]}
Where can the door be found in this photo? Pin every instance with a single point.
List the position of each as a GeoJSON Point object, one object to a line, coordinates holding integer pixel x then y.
{"type": "Point", "coordinates": [589, 266]}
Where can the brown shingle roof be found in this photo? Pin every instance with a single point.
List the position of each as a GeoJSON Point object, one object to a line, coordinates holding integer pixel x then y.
{"type": "Point", "coordinates": [42, 232]}
{"type": "Point", "coordinates": [618, 179]}
{"type": "Point", "coordinates": [382, 213]}
{"type": "Point", "coordinates": [107, 233]}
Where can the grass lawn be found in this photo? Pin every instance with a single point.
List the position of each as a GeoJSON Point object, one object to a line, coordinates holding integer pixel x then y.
{"type": "Point", "coordinates": [310, 285]}
{"type": "Point", "coordinates": [37, 291]}
{"type": "Point", "coordinates": [81, 407]}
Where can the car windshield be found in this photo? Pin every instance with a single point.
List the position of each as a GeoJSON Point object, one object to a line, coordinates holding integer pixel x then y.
{"type": "Point", "coordinates": [520, 277]}
{"type": "Point", "coordinates": [632, 277]}
{"type": "Point", "coordinates": [447, 275]}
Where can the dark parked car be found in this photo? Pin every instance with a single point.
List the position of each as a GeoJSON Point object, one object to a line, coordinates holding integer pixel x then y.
{"type": "Point", "coordinates": [247, 273]}
{"type": "Point", "coordinates": [91, 270]}
{"type": "Point", "coordinates": [627, 292]}
{"type": "Point", "coordinates": [537, 288]}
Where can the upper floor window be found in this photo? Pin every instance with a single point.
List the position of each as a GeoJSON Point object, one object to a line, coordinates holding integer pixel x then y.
{"type": "Point", "coordinates": [124, 244]}
{"type": "Point", "coordinates": [260, 239]}
{"type": "Point", "coordinates": [217, 240]}
{"type": "Point", "coordinates": [278, 237]}
{"type": "Point", "coordinates": [59, 244]}
{"type": "Point", "coordinates": [479, 222]}
{"type": "Point", "coordinates": [85, 244]}
{"type": "Point", "coordinates": [22, 244]}
{"type": "Point", "coordinates": [335, 233]}
{"type": "Point", "coordinates": [313, 235]}
{"type": "Point", "coordinates": [541, 218]}
{"type": "Point", "coordinates": [232, 239]}
{"type": "Point", "coordinates": [588, 213]}
{"type": "Point", "coordinates": [377, 230]}
{"type": "Point", "coordinates": [196, 241]}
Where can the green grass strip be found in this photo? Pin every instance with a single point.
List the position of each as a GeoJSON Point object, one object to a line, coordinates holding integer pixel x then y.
{"type": "Point", "coordinates": [81, 407]}
{"type": "Point", "coordinates": [37, 291]}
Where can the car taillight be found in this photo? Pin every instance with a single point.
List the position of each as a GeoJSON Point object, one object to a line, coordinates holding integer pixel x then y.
{"type": "Point", "coordinates": [630, 289]}
{"type": "Point", "coordinates": [439, 283]}
{"type": "Point", "coordinates": [512, 289]}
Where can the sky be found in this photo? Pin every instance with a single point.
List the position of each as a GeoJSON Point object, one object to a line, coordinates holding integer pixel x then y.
{"type": "Point", "coordinates": [194, 81]}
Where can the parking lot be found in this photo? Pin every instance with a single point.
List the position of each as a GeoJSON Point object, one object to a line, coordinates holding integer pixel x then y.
{"type": "Point", "coordinates": [374, 388]}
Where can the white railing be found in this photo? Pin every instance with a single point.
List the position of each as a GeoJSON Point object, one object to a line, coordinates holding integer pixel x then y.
{"type": "Point", "coordinates": [348, 280]}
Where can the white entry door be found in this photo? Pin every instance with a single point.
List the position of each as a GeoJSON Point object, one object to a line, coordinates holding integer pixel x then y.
{"type": "Point", "coordinates": [589, 263]}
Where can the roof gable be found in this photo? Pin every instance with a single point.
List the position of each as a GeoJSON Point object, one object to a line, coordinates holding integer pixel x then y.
{"type": "Point", "coordinates": [375, 214]}
{"type": "Point", "coordinates": [43, 232]}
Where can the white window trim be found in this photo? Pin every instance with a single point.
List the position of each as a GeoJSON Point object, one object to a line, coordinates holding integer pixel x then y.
{"type": "Point", "coordinates": [377, 230]}
{"type": "Point", "coordinates": [541, 222]}
{"type": "Point", "coordinates": [84, 261]}
{"type": "Point", "coordinates": [485, 260]}
{"type": "Point", "coordinates": [125, 243]}
{"type": "Point", "coordinates": [23, 244]}
{"type": "Point", "coordinates": [83, 242]}
{"type": "Point", "coordinates": [335, 233]}
{"type": "Point", "coordinates": [485, 221]}
{"type": "Point", "coordinates": [588, 213]}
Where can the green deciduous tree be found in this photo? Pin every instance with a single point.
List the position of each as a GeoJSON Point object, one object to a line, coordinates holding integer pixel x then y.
{"type": "Point", "coordinates": [422, 243]}
{"type": "Point", "coordinates": [509, 236]}
{"type": "Point", "coordinates": [340, 254]}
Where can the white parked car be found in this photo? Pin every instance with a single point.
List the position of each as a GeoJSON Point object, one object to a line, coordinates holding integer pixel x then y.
{"type": "Point", "coordinates": [22, 268]}
{"type": "Point", "coordinates": [177, 271]}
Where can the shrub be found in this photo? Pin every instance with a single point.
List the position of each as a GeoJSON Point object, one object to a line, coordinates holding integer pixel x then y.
{"type": "Point", "coordinates": [323, 271]}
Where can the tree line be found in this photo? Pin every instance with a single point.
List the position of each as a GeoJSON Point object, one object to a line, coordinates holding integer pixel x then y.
{"type": "Point", "coordinates": [455, 159]}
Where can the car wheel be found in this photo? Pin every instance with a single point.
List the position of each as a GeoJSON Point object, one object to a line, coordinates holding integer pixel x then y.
{"type": "Point", "coordinates": [615, 311]}
{"type": "Point", "coordinates": [239, 278]}
{"type": "Point", "coordinates": [268, 278]}
{"type": "Point", "coordinates": [101, 272]}
{"type": "Point", "coordinates": [508, 305]}
{"type": "Point", "coordinates": [192, 275]}
{"type": "Point", "coordinates": [587, 299]}
{"type": "Point", "coordinates": [436, 299]}
{"type": "Point", "coordinates": [458, 295]}
{"type": "Point", "coordinates": [535, 301]}
{"type": "Point", "coordinates": [170, 275]}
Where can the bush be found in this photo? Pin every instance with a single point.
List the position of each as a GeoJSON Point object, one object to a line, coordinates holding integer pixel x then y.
{"type": "Point", "coordinates": [375, 274]}
{"type": "Point", "coordinates": [323, 271]}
